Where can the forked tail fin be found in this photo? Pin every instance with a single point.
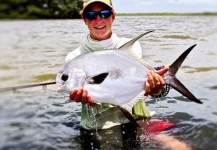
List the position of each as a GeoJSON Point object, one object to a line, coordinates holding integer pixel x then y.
{"type": "Point", "coordinates": [171, 79]}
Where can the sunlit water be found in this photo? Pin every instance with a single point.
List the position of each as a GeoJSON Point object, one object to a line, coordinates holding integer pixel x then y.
{"type": "Point", "coordinates": [33, 51]}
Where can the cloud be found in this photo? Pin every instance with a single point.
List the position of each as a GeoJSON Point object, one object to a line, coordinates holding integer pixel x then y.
{"type": "Point", "coordinates": [135, 6]}
{"type": "Point", "coordinates": [146, 2]}
{"type": "Point", "coordinates": [193, 1]}
{"type": "Point", "coordinates": [135, 2]}
{"type": "Point", "coordinates": [152, 2]}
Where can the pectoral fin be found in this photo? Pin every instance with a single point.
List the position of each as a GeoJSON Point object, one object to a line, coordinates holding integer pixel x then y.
{"type": "Point", "coordinates": [97, 79]}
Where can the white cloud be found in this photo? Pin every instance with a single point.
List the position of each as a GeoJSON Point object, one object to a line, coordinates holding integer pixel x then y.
{"type": "Point", "coordinates": [193, 1]}
{"type": "Point", "coordinates": [146, 2]}
{"type": "Point", "coordinates": [134, 6]}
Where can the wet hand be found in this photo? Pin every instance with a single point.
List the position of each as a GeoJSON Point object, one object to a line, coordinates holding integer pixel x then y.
{"type": "Point", "coordinates": [81, 95]}
{"type": "Point", "coordinates": [155, 82]}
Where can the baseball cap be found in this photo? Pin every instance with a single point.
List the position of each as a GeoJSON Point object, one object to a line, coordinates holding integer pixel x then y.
{"type": "Point", "coordinates": [88, 2]}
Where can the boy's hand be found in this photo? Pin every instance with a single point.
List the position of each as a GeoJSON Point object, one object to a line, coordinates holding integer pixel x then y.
{"type": "Point", "coordinates": [81, 95]}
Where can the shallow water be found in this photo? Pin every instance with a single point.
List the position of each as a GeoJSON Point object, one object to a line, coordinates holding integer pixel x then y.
{"type": "Point", "coordinates": [33, 51]}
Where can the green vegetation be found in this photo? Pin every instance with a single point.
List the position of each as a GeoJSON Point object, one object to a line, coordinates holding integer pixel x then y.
{"type": "Point", "coordinates": [62, 9]}
{"type": "Point", "coordinates": [169, 14]}
{"type": "Point", "coordinates": [45, 9]}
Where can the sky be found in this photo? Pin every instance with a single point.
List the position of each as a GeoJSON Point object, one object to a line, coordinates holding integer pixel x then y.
{"type": "Point", "coordinates": [146, 6]}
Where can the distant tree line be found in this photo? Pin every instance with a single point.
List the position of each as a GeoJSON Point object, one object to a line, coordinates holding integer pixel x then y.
{"type": "Point", "coordinates": [44, 9]}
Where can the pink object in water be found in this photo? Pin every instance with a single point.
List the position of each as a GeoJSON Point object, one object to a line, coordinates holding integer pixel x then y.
{"type": "Point", "coordinates": [152, 127]}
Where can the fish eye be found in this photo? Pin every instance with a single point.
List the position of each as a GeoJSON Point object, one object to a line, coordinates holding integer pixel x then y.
{"type": "Point", "coordinates": [65, 77]}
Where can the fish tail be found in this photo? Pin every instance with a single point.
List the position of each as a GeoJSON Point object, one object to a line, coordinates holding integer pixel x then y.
{"type": "Point", "coordinates": [171, 79]}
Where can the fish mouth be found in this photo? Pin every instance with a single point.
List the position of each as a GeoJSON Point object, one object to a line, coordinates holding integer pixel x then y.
{"type": "Point", "coordinates": [60, 88]}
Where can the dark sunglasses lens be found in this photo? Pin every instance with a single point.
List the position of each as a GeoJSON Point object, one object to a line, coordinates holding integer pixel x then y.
{"type": "Point", "coordinates": [105, 13]}
{"type": "Point", "coordinates": [90, 15]}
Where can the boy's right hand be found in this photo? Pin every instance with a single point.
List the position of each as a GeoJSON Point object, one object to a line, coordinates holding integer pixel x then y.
{"type": "Point", "coordinates": [81, 95]}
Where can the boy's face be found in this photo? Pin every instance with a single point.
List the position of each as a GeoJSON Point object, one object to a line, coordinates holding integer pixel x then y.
{"type": "Point", "coordinates": [100, 28]}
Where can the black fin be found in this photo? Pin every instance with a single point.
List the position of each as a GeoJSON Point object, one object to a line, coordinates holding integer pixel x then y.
{"type": "Point", "coordinates": [171, 79]}
{"type": "Point", "coordinates": [178, 86]}
{"type": "Point", "coordinates": [129, 116]}
{"type": "Point", "coordinates": [176, 64]}
{"type": "Point", "coordinates": [97, 79]}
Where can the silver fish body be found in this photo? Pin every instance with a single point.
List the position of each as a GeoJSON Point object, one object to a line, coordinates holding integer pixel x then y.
{"type": "Point", "coordinates": [124, 81]}
{"type": "Point", "coordinates": [116, 76]}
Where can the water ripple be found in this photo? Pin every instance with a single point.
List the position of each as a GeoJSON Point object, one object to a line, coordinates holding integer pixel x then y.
{"type": "Point", "coordinates": [33, 51]}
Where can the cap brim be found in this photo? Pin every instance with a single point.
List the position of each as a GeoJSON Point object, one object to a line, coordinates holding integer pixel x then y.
{"type": "Point", "coordinates": [94, 1]}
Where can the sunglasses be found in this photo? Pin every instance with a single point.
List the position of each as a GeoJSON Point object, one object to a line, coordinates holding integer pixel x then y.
{"type": "Point", "coordinates": [91, 15]}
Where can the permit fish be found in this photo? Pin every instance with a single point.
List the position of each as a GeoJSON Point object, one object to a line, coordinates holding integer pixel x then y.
{"type": "Point", "coordinates": [116, 76]}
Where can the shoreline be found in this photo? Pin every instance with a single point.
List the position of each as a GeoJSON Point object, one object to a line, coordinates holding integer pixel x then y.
{"type": "Point", "coordinates": [169, 14]}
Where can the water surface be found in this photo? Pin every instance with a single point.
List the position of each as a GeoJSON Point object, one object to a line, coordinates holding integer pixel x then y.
{"type": "Point", "coordinates": [33, 51]}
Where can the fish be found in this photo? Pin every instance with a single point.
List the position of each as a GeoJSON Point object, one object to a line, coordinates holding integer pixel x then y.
{"type": "Point", "coordinates": [116, 76]}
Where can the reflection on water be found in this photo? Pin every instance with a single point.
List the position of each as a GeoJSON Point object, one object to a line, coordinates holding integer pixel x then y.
{"type": "Point", "coordinates": [33, 51]}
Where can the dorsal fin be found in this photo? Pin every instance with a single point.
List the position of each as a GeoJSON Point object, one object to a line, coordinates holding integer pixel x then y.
{"type": "Point", "coordinates": [127, 48]}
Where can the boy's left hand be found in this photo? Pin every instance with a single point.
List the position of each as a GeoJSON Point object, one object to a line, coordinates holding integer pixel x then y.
{"type": "Point", "coordinates": [155, 82]}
